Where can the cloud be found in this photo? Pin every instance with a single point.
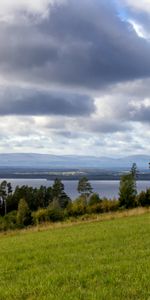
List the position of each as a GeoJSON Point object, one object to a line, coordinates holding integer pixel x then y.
{"type": "Point", "coordinates": [83, 45]}
{"type": "Point", "coordinates": [141, 111]}
{"type": "Point", "coordinates": [141, 6]}
{"type": "Point", "coordinates": [138, 15]}
{"type": "Point", "coordinates": [10, 10]}
{"type": "Point", "coordinates": [99, 125]}
{"type": "Point", "coordinates": [74, 76]}
{"type": "Point", "coordinates": [29, 103]}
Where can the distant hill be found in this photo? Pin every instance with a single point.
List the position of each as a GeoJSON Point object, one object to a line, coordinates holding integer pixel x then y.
{"type": "Point", "coordinates": [31, 160]}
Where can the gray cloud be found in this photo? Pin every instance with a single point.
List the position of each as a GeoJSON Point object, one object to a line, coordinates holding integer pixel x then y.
{"type": "Point", "coordinates": [141, 114]}
{"type": "Point", "coordinates": [131, 110]}
{"type": "Point", "coordinates": [108, 126]}
{"type": "Point", "coordinates": [26, 102]}
{"type": "Point", "coordinates": [80, 51]}
{"type": "Point", "coordinates": [82, 44]}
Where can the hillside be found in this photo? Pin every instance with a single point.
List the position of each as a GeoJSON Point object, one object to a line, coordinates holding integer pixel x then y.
{"type": "Point", "coordinates": [101, 260]}
{"type": "Point", "coordinates": [32, 160]}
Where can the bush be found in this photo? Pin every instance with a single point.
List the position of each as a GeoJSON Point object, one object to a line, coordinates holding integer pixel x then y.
{"type": "Point", "coordinates": [40, 216]}
{"type": "Point", "coordinates": [94, 199]}
{"type": "Point", "coordinates": [109, 205]}
{"type": "Point", "coordinates": [9, 221]}
{"type": "Point", "coordinates": [94, 209]}
{"type": "Point", "coordinates": [143, 198]}
{"type": "Point", "coordinates": [103, 206]}
{"type": "Point", "coordinates": [55, 214]}
{"type": "Point", "coordinates": [77, 207]}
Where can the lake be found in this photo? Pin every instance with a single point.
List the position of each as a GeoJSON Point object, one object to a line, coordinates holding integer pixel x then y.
{"type": "Point", "coordinates": [105, 188]}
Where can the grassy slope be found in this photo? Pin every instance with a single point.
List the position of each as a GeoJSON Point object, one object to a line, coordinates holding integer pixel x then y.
{"type": "Point", "coordinates": [102, 260]}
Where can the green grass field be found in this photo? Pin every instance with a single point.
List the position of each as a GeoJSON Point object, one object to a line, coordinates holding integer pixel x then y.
{"type": "Point", "coordinates": [93, 261]}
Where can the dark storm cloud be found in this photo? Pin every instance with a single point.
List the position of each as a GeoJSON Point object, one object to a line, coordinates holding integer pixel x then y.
{"type": "Point", "coordinates": [24, 102]}
{"type": "Point", "coordinates": [82, 44]}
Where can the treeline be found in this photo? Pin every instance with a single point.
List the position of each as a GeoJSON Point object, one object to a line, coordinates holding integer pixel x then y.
{"type": "Point", "coordinates": [31, 206]}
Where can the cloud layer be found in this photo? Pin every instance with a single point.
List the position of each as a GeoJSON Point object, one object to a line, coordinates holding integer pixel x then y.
{"type": "Point", "coordinates": [74, 76]}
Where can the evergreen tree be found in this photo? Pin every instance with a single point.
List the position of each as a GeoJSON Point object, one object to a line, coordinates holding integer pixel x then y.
{"type": "Point", "coordinates": [127, 191]}
{"type": "Point", "coordinates": [59, 195]}
{"type": "Point", "coordinates": [134, 171]}
{"type": "Point", "coordinates": [57, 188]}
{"type": "Point", "coordinates": [84, 187]}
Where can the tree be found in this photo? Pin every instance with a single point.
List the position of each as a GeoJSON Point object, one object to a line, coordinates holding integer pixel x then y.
{"type": "Point", "coordinates": [59, 195]}
{"type": "Point", "coordinates": [134, 171]}
{"type": "Point", "coordinates": [57, 188]}
{"type": "Point", "coordinates": [9, 188]}
{"type": "Point", "coordinates": [23, 213]}
{"type": "Point", "coordinates": [5, 191]}
{"type": "Point", "coordinates": [127, 191]}
{"type": "Point", "coordinates": [84, 187]}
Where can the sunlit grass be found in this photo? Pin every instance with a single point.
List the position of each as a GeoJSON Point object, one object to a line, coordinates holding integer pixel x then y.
{"type": "Point", "coordinates": [91, 261]}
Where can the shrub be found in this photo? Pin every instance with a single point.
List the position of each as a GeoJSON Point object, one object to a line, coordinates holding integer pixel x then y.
{"type": "Point", "coordinates": [55, 214]}
{"type": "Point", "coordinates": [109, 205]}
{"type": "Point", "coordinates": [78, 207]}
{"type": "Point", "coordinates": [9, 221]}
{"type": "Point", "coordinates": [94, 209]}
{"type": "Point", "coordinates": [40, 216]}
{"type": "Point", "coordinates": [103, 206]}
{"type": "Point", "coordinates": [143, 198]}
{"type": "Point", "coordinates": [94, 199]}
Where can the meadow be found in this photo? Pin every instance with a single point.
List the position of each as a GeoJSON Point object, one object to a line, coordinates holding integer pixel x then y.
{"type": "Point", "coordinates": [89, 261]}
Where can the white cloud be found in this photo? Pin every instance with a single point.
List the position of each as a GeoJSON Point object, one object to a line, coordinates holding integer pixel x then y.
{"type": "Point", "coordinates": [9, 9]}
{"type": "Point", "coordinates": [139, 29]}
{"type": "Point", "coordinates": [140, 5]}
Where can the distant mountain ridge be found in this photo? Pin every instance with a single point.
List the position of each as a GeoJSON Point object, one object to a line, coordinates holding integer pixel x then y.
{"type": "Point", "coordinates": [32, 160]}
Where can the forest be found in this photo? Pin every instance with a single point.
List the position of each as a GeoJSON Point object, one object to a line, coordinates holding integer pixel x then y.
{"type": "Point", "coordinates": [27, 206]}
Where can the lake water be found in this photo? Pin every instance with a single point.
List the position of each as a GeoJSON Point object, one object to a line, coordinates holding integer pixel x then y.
{"type": "Point", "coordinates": [105, 188]}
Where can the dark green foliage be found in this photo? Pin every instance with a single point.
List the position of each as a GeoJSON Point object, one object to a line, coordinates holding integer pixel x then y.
{"type": "Point", "coordinates": [64, 200]}
{"type": "Point", "coordinates": [84, 187]}
{"type": "Point", "coordinates": [143, 198]}
{"type": "Point", "coordinates": [12, 203]}
{"type": "Point", "coordinates": [57, 188]}
{"type": "Point", "coordinates": [55, 214]}
{"type": "Point", "coordinates": [23, 214]}
{"type": "Point", "coordinates": [9, 221]}
{"type": "Point", "coordinates": [59, 194]}
{"type": "Point", "coordinates": [127, 191]}
{"type": "Point", "coordinates": [34, 197]}
{"type": "Point", "coordinates": [38, 205]}
{"type": "Point", "coordinates": [134, 171]}
{"type": "Point", "coordinates": [94, 199]}
{"type": "Point", "coordinates": [5, 188]}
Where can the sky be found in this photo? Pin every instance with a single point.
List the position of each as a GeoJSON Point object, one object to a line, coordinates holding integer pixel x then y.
{"type": "Point", "coordinates": [75, 77]}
